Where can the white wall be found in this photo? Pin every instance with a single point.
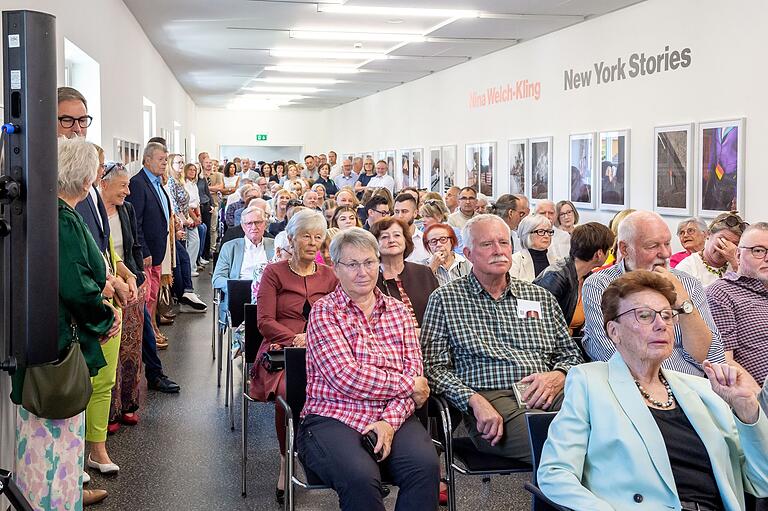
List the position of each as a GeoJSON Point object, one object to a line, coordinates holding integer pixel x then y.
{"type": "Point", "coordinates": [725, 80]}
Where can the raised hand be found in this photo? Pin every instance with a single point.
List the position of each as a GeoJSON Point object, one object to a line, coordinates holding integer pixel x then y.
{"type": "Point", "coordinates": [736, 387]}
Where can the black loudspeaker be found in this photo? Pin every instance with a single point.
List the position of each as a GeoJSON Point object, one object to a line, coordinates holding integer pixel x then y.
{"type": "Point", "coordinates": [29, 253]}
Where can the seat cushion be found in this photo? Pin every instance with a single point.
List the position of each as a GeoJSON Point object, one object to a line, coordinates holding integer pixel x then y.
{"type": "Point", "coordinates": [466, 452]}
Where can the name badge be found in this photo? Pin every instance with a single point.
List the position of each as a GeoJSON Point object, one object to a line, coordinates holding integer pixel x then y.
{"type": "Point", "coordinates": [528, 309]}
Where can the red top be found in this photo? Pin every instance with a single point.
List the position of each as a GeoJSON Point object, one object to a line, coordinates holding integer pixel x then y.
{"type": "Point", "coordinates": [360, 370]}
{"type": "Point", "coordinates": [677, 257]}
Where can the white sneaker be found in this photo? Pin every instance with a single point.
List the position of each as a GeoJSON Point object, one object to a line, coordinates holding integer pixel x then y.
{"type": "Point", "coordinates": [194, 301]}
{"type": "Point", "coordinates": [195, 273]}
{"type": "Point", "coordinates": [204, 261]}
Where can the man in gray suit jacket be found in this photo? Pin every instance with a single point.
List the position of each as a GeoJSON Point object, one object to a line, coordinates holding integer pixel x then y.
{"type": "Point", "coordinates": [239, 258]}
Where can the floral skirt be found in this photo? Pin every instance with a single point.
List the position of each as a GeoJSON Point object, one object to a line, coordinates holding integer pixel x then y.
{"type": "Point", "coordinates": [126, 393]}
{"type": "Point", "coordinates": [49, 461]}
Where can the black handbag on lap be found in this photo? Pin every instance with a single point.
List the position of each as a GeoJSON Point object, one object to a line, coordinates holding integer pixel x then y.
{"type": "Point", "coordinates": [273, 361]}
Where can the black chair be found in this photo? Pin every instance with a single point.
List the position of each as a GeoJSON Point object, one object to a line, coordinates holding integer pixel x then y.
{"type": "Point", "coordinates": [461, 455]}
{"type": "Point", "coordinates": [238, 294]}
{"type": "Point", "coordinates": [253, 339]}
{"type": "Point", "coordinates": [216, 329]}
{"type": "Point", "coordinates": [538, 428]}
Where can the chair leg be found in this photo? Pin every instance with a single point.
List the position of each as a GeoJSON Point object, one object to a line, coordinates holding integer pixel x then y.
{"type": "Point", "coordinates": [221, 354]}
{"type": "Point", "coordinates": [244, 426]}
{"type": "Point", "coordinates": [215, 328]}
{"type": "Point", "coordinates": [227, 353]}
{"type": "Point", "coordinates": [231, 378]}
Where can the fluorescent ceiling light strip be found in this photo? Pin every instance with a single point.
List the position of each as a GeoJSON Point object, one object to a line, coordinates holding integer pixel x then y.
{"type": "Point", "coordinates": [312, 69]}
{"type": "Point", "coordinates": [277, 89]}
{"type": "Point", "coordinates": [340, 55]}
{"type": "Point", "coordinates": [398, 11]}
{"type": "Point", "coordinates": [306, 81]}
{"type": "Point", "coordinates": [354, 36]}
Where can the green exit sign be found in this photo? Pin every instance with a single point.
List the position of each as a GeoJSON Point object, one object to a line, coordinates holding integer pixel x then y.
{"type": "Point", "coordinates": [261, 137]}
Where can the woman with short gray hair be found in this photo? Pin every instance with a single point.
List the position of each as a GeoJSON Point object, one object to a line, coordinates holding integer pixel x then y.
{"type": "Point", "coordinates": [286, 294]}
{"type": "Point", "coordinates": [535, 234]}
{"type": "Point", "coordinates": [692, 232]}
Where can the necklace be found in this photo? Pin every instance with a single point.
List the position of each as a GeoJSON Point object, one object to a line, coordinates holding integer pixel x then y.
{"type": "Point", "coordinates": [314, 269]}
{"type": "Point", "coordinates": [711, 269]}
{"type": "Point", "coordinates": [670, 397]}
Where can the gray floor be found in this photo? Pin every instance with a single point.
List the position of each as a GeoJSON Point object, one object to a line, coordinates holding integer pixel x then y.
{"type": "Point", "coordinates": [183, 456]}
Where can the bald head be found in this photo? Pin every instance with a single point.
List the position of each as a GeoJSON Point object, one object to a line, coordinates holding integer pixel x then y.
{"type": "Point", "coordinates": [644, 241]}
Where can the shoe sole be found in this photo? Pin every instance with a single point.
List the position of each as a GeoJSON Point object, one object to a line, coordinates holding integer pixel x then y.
{"type": "Point", "coordinates": [188, 309]}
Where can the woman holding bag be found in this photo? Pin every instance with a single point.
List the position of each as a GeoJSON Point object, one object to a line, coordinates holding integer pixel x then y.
{"type": "Point", "coordinates": [49, 454]}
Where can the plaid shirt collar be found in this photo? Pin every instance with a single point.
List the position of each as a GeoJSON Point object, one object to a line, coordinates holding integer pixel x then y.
{"type": "Point", "coordinates": [476, 288]}
{"type": "Point", "coordinates": [344, 302]}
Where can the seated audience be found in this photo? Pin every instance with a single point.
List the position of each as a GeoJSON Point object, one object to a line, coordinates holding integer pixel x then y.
{"type": "Point", "coordinates": [345, 217]}
{"type": "Point", "coordinates": [644, 244]}
{"type": "Point", "coordinates": [325, 180]}
{"type": "Point", "coordinates": [291, 207]}
{"type": "Point", "coordinates": [475, 362]}
{"type": "Point", "coordinates": [361, 185]}
{"type": "Point", "coordinates": [346, 178]}
{"type": "Point", "coordinates": [566, 216]}
{"type": "Point", "coordinates": [535, 233]}
{"type": "Point", "coordinates": [739, 304]}
{"type": "Point", "coordinates": [411, 283]}
{"type": "Point", "coordinates": [234, 210]}
{"type": "Point", "coordinates": [364, 374]}
{"type": "Point", "coordinates": [719, 253]}
{"type": "Point", "coordinates": [561, 240]}
{"type": "Point", "coordinates": [287, 292]}
{"type": "Point", "coordinates": [382, 179]}
{"type": "Point", "coordinates": [433, 211]}
{"type": "Point", "coordinates": [447, 265]}
{"type": "Point", "coordinates": [237, 231]}
{"type": "Point", "coordinates": [311, 200]}
{"type": "Point", "coordinates": [406, 210]}
{"type": "Point", "coordinates": [467, 204]}
{"type": "Point", "coordinates": [613, 225]}
{"type": "Point", "coordinates": [697, 444]}
{"type": "Point", "coordinates": [691, 232]}
{"type": "Point", "coordinates": [375, 209]}
{"type": "Point", "coordinates": [512, 210]}
{"type": "Point", "coordinates": [292, 178]}
{"type": "Point", "coordinates": [329, 208]}
{"type": "Point", "coordinates": [589, 245]}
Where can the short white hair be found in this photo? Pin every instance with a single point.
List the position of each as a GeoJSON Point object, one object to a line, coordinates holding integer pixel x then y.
{"type": "Point", "coordinates": [467, 234]}
{"type": "Point", "coordinates": [304, 221]}
{"type": "Point", "coordinates": [78, 166]}
{"type": "Point", "coordinates": [252, 209]}
{"type": "Point", "coordinates": [628, 226]}
{"type": "Point", "coordinates": [354, 237]}
{"type": "Point", "coordinates": [150, 150]}
{"type": "Point", "coordinates": [530, 224]}
{"type": "Point", "coordinates": [545, 201]}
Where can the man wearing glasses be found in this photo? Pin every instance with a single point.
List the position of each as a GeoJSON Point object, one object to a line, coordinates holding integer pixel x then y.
{"type": "Point", "coordinates": [644, 242]}
{"type": "Point", "coordinates": [467, 202]}
{"type": "Point", "coordinates": [376, 208]}
{"type": "Point", "coordinates": [739, 303]}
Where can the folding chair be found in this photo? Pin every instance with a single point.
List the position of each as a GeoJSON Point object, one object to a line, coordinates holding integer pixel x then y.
{"type": "Point", "coordinates": [253, 340]}
{"type": "Point", "coordinates": [238, 294]}
{"type": "Point", "coordinates": [538, 428]}
{"type": "Point", "coordinates": [461, 455]}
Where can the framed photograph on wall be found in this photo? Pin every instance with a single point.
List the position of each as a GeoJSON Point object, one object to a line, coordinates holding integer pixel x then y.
{"type": "Point", "coordinates": [403, 170]}
{"type": "Point", "coordinates": [435, 177]}
{"type": "Point", "coordinates": [721, 167]}
{"type": "Point", "coordinates": [582, 161]}
{"type": "Point", "coordinates": [540, 169]}
{"type": "Point", "coordinates": [673, 170]}
{"type": "Point", "coordinates": [448, 166]}
{"type": "Point", "coordinates": [389, 157]}
{"type": "Point", "coordinates": [472, 165]}
{"type": "Point", "coordinates": [480, 165]}
{"type": "Point", "coordinates": [518, 166]}
{"type": "Point", "coordinates": [347, 156]}
{"type": "Point", "coordinates": [614, 173]}
{"type": "Point", "coordinates": [416, 161]}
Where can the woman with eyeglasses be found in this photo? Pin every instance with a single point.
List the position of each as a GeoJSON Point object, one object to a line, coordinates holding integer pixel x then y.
{"type": "Point", "coordinates": [692, 232]}
{"type": "Point", "coordinates": [719, 253]}
{"type": "Point", "coordinates": [440, 240]}
{"type": "Point", "coordinates": [699, 443]}
{"type": "Point", "coordinates": [535, 234]}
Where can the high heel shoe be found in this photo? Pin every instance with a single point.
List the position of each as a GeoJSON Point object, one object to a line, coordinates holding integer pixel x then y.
{"type": "Point", "coordinates": [280, 496]}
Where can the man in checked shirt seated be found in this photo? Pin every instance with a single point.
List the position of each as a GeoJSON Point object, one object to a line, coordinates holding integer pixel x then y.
{"type": "Point", "coordinates": [485, 332]}
{"type": "Point", "coordinates": [364, 373]}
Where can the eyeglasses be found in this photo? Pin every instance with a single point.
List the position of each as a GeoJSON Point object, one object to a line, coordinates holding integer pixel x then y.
{"type": "Point", "coordinates": [543, 232]}
{"type": "Point", "coordinates": [646, 315]}
{"type": "Point", "coordinates": [255, 223]}
{"type": "Point", "coordinates": [382, 213]}
{"type": "Point", "coordinates": [758, 252]}
{"type": "Point", "coordinates": [355, 266]}
{"type": "Point", "coordinates": [467, 198]}
{"type": "Point", "coordinates": [566, 213]}
{"type": "Point", "coordinates": [438, 241]}
{"type": "Point", "coordinates": [67, 121]}
{"type": "Point", "coordinates": [689, 231]}
{"type": "Point", "coordinates": [730, 220]}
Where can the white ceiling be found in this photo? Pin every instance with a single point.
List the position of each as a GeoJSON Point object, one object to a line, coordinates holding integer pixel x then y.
{"type": "Point", "coordinates": [218, 48]}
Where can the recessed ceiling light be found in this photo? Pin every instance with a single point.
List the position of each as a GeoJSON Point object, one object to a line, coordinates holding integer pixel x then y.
{"type": "Point", "coordinates": [334, 55]}
{"type": "Point", "coordinates": [312, 68]}
{"type": "Point", "coordinates": [355, 36]}
{"type": "Point", "coordinates": [398, 11]}
{"type": "Point", "coordinates": [306, 81]}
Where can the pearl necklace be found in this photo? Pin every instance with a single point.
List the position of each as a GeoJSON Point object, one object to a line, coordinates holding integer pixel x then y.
{"type": "Point", "coordinates": [670, 397]}
{"type": "Point", "coordinates": [711, 269]}
{"type": "Point", "coordinates": [314, 269]}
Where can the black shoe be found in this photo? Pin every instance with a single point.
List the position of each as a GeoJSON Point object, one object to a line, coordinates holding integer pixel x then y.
{"type": "Point", "coordinates": [280, 496]}
{"type": "Point", "coordinates": [164, 384]}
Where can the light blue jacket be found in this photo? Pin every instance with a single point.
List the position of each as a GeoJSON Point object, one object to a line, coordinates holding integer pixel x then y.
{"type": "Point", "coordinates": [229, 264]}
{"type": "Point", "coordinates": [604, 450]}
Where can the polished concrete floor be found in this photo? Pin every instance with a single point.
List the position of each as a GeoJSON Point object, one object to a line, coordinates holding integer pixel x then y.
{"type": "Point", "coordinates": [183, 456]}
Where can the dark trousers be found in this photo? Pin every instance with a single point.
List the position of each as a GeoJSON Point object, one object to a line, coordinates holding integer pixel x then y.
{"type": "Point", "coordinates": [205, 241]}
{"type": "Point", "coordinates": [333, 451]}
{"type": "Point", "coordinates": [153, 368]}
{"type": "Point", "coordinates": [182, 273]}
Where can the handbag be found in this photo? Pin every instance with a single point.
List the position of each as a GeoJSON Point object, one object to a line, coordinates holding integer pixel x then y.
{"type": "Point", "coordinates": [59, 390]}
{"type": "Point", "coordinates": [273, 361]}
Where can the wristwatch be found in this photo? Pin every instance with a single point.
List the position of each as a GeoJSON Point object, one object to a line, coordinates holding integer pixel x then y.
{"type": "Point", "coordinates": [686, 307]}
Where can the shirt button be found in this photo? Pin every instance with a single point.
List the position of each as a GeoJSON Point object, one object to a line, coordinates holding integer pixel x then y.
{"type": "Point", "coordinates": [638, 498]}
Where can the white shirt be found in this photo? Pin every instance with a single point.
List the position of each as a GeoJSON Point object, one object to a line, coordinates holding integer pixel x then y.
{"type": "Point", "coordinates": [194, 194]}
{"type": "Point", "coordinates": [516, 245]}
{"type": "Point", "coordinates": [336, 169]}
{"type": "Point", "coordinates": [384, 181]}
{"type": "Point", "coordinates": [419, 253]}
{"type": "Point", "coordinates": [694, 266]}
{"type": "Point", "coordinates": [561, 243]}
{"type": "Point", "coordinates": [253, 256]}
{"type": "Point", "coordinates": [458, 219]}
{"type": "Point", "coordinates": [116, 232]}
{"type": "Point", "coordinates": [95, 198]}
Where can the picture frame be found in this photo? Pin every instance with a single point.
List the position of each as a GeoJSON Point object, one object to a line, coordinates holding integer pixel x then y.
{"type": "Point", "coordinates": [348, 156]}
{"type": "Point", "coordinates": [435, 170]}
{"type": "Point", "coordinates": [519, 167]}
{"type": "Point", "coordinates": [581, 151]}
{"type": "Point", "coordinates": [448, 164]}
{"type": "Point", "coordinates": [480, 162]}
{"type": "Point", "coordinates": [403, 170]}
{"type": "Point", "coordinates": [613, 164]}
{"type": "Point", "coordinates": [720, 167]}
{"type": "Point", "coordinates": [416, 163]}
{"type": "Point", "coordinates": [389, 157]}
{"type": "Point", "coordinates": [673, 176]}
{"type": "Point", "coordinates": [541, 170]}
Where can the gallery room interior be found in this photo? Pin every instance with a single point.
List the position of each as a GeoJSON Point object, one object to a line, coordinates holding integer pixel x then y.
{"type": "Point", "coordinates": [652, 105]}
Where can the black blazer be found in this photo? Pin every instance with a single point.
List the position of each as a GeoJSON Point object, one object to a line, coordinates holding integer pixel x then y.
{"type": "Point", "coordinates": [418, 282]}
{"type": "Point", "coordinates": [151, 221]}
{"type": "Point", "coordinates": [133, 257]}
{"type": "Point", "coordinates": [91, 213]}
{"type": "Point", "coordinates": [561, 280]}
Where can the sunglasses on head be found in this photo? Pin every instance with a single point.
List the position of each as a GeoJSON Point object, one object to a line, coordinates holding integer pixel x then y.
{"type": "Point", "coordinates": [110, 166]}
{"type": "Point", "coordinates": [730, 220]}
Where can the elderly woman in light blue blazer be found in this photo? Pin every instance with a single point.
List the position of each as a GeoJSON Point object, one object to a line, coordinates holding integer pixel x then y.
{"type": "Point", "coordinates": [631, 435]}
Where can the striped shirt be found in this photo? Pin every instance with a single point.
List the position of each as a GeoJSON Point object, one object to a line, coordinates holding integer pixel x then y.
{"type": "Point", "coordinates": [740, 307]}
{"type": "Point", "coordinates": [599, 347]}
{"type": "Point", "coordinates": [473, 342]}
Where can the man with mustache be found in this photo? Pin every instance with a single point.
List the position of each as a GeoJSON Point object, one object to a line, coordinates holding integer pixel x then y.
{"type": "Point", "coordinates": [644, 243]}
{"type": "Point", "coordinates": [485, 334]}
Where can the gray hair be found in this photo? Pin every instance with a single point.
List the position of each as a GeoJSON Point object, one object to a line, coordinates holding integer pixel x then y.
{"type": "Point", "coordinates": [117, 171]}
{"type": "Point", "coordinates": [150, 150]}
{"type": "Point", "coordinates": [244, 189]}
{"type": "Point", "coordinates": [467, 232]}
{"type": "Point", "coordinates": [252, 209]}
{"type": "Point", "coordinates": [544, 201]}
{"type": "Point", "coordinates": [530, 224]}
{"type": "Point", "coordinates": [353, 237]}
{"type": "Point", "coordinates": [757, 226]}
{"type": "Point", "coordinates": [78, 166]}
{"type": "Point", "coordinates": [304, 221]}
{"type": "Point", "coordinates": [698, 222]}
{"type": "Point", "coordinates": [628, 226]}
{"type": "Point", "coordinates": [70, 94]}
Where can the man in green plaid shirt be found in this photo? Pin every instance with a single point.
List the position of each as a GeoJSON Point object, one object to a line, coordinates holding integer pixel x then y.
{"type": "Point", "coordinates": [485, 332]}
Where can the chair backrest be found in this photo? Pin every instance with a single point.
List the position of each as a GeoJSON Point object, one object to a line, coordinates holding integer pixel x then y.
{"type": "Point", "coordinates": [295, 381]}
{"type": "Point", "coordinates": [253, 337]}
{"type": "Point", "coordinates": [538, 428]}
{"type": "Point", "coordinates": [238, 294]}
